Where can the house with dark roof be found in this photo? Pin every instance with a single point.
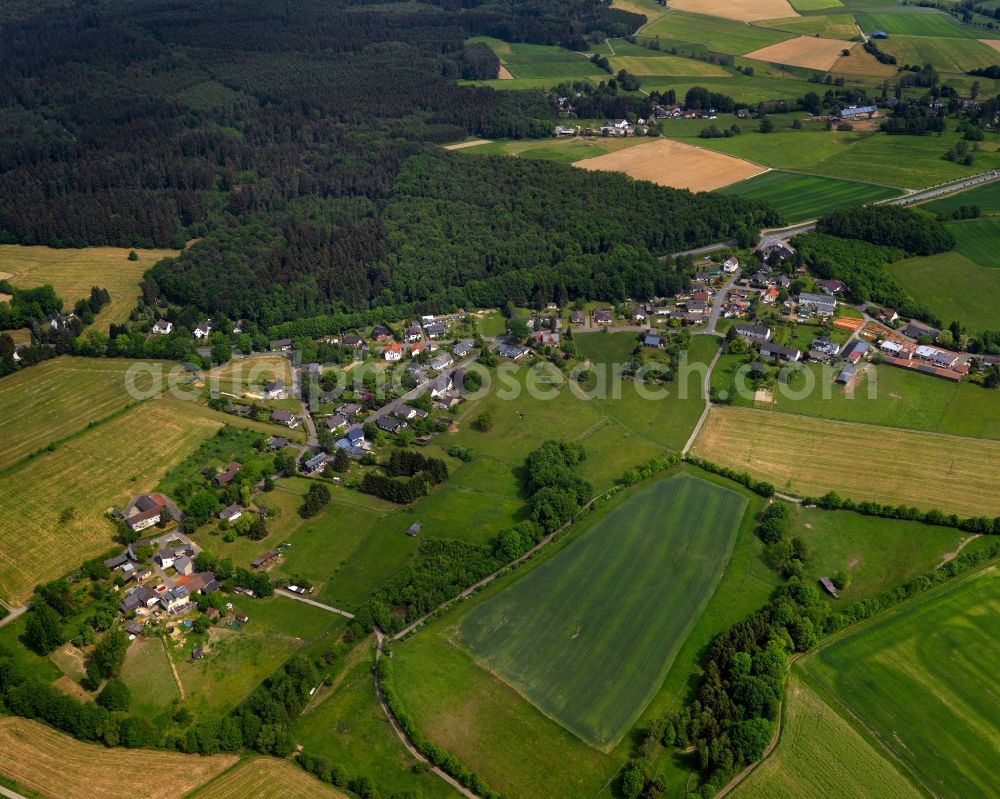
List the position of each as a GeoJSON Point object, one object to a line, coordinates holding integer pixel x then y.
{"type": "Point", "coordinates": [390, 424]}
{"type": "Point", "coordinates": [652, 341]}
{"type": "Point", "coordinates": [163, 327]}
{"type": "Point", "coordinates": [231, 513]}
{"type": "Point", "coordinates": [281, 416]}
{"type": "Point", "coordinates": [274, 390]}
{"type": "Point", "coordinates": [753, 332]}
{"type": "Point", "coordinates": [462, 348]}
{"type": "Point", "coordinates": [277, 442]}
{"type": "Point", "coordinates": [335, 422]}
{"type": "Point", "coordinates": [821, 304]}
{"type": "Point", "coordinates": [281, 345]}
{"type": "Point", "coordinates": [779, 351]}
{"type": "Point", "coordinates": [603, 316]}
{"type": "Point", "coordinates": [315, 463]}
{"type": "Point", "coordinates": [577, 318]}
{"type": "Point", "coordinates": [227, 476]}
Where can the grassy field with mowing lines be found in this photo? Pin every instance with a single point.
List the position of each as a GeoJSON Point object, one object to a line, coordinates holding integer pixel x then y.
{"type": "Point", "coordinates": [683, 527]}
{"type": "Point", "coordinates": [977, 240]}
{"type": "Point", "coordinates": [715, 33]}
{"type": "Point", "coordinates": [57, 398]}
{"type": "Point", "coordinates": [832, 26]}
{"type": "Point", "coordinates": [918, 679]}
{"type": "Point", "coordinates": [815, 5]}
{"type": "Point", "coordinates": [73, 273]}
{"type": "Point", "coordinates": [821, 756]}
{"type": "Point", "coordinates": [54, 765]}
{"type": "Point", "coordinates": [266, 778]}
{"type": "Point", "coordinates": [740, 10]}
{"type": "Point", "coordinates": [917, 23]}
{"type": "Point", "coordinates": [987, 197]}
{"type": "Point", "coordinates": [81, 480]}
{"type": "Point", "coordinates": [802, 197]}
{"type": "Point", "coordinates": [554, 64]}
{"type": "Point", "coordinates": [864, 462]}
{"type": "Point", "coordinates": [947, 54]}
{"type": "Point", "coordinates": [667, 65]}
{"type": "Point", "coordinates": [953, 287]}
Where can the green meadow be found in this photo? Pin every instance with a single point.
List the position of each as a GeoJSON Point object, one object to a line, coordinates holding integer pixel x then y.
{"type": "Point", "coordinates": [978, 240]}
{"type": "Point", "coordinates": [947, 54]}
{"type": "Point", "coordinates": [715, 33]}
{"type": "Point", "coordinates": [916, 23]}
{"type": "Point", "coordinates": [916, 680]}
{"type": "Point", "coordinates": [986, 196]}
{"type": "Point", "coordinates": [953, 287]}
{"type": "Point", "coordinates": [802, 197]}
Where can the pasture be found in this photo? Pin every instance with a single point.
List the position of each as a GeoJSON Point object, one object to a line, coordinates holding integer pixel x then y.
{"type": "Point", "coordinates": [967, 293]}
{"type": "Point", "coordinates": [986, 196]}
{"type": "Point", "coordinates": [947, 54]}
{"type": "Point", "coordinates": [808, 52]}
{"type": "Point", "coordinates": [266, 778]}
{"type": "Point", "coordinates": [54, 765]}
{"type": "Point", "coordinates": [821, 756]}
{"type": "Point", "coordinates": [73, 273]}
{"type": "Point", "coordinates": [715, 33]}
{"type": "Point", "coordinates": [740, 10]}
{"type": "Point", "coordinates": [802, 197]}
{"type": "Point", "coordinates": [916, 23]}
{"type": "Point", "coordinates": [540, 61]}
{"type": "Point", "coordinates": [247, 375]}
{"type": "Point", "coordinates": [671, 163]}
{"type": "Point", "coordinates": [58, 398]}
{"type": "Point", "coordinates": [977, 240]}
{"type": "Point", "coordinates": [830, 26]}
{"type": "Point", "coordinates": [55, 503]}
{"type": "Point", "coordinates": [815, 5]}
{"type": "Point", "coordinates": [147, 673]}
{"type": "Point", "coordinates": [666, 66]}
{"type": "Point", "coordinates": [917, 679]}
{"type": "Point", "coordinates": [864, 462]}
{"type": "Point", "coordinates": [650, 567]}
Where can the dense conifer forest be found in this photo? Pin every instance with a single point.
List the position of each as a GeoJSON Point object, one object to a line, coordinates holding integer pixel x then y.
{"type": "Point", "coordinates": [298, 140]}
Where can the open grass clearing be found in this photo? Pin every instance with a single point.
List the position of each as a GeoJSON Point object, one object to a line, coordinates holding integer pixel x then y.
{"type": "Point", "coordinates": [977, 240]}
{"type": "Point", "coordinates": [953, 287]}
{"type": "Point", "coordinates": [565, 151]}
{"type": "Point", "coordinates": [802, 197]}
{"type": "Point", "coordinates": [73, 273]}
{"type": "Point", "coordinates": [266, 778]}
{"type": "Point", "coordinates": [810, 52]}
{"type": "Point", "coordinates": [830, 26]}
{"type": "Point", "coordinates": [671, 163]}
{"type": "Point", "coordinates": [821, 756]}
{"type": "Point", "coordinates": [740, 10]}
{"type": "Point", "coordinates": [715, 33]}
{"type": "Point", "coordinates": [864, 462]}
{"type": "Point", "coordinates": [58, 398]}
{"type": "Point", "coordinates": [248, 375]}
{"type": "Point", "coordinates": [55, 765]}
{"type": "Point", "coordinates": [918, 681]}
{"type": "Point", "coordinates": [550, 643]}
{"type": "Point", "coordinates": [54, 504]}
{"type": "Point", "coordinates": [147, 673]}
{"type": "Point", "coordinates": [666, 65]}
{"type": "Point", "coordinates": [554, 64]}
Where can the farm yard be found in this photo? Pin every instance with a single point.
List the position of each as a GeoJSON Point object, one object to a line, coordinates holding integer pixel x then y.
{"type": "Point", "coordinates": [56, 766]}
{"type": "Point", "coordinates": [821, 756]}
{"type": "Point", "coordinates": [672, 163]}
{"type": "Point", "coordinates": [58, 398]}
{"type": "Point", "coordinates": [266, 778]}
{"type": "Point", "coordinates": [802, 197]}
{"type": "Point", "coordinates": [809, 52]}
{"type": "Point", "coordinates": [919, 681]}
{"type": "Point", "coordinates": [55, 503]}
{"type": "Point", "coordinates": [680, 527]}
{"type": "Point", "coordinates": [73, 273]}
{"type": "Point", "coordinates": [814, 456]}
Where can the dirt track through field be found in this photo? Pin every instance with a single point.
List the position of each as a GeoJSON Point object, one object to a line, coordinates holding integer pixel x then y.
{"type": "Point", "coordinates": [463, 144]}
{"type": "Point", "coordinates": [740, 10]}
{"type": "Point", "coordinates": [672, 163]}
{"type": "Point", "coordinates": [504, 74]}
{"type": "Point", "coordinates": [809, 52]}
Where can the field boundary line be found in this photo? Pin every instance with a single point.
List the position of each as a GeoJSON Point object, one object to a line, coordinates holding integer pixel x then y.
{"type": "Point", "coordinates": [173, 669]}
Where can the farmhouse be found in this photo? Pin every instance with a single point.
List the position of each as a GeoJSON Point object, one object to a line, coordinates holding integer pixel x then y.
{"type": "Point", "coordinates": [163, 327]}
{"type": "Point", "coordinates": [780, 352]}
{"type": "Point", "coordinates": [754, 332]}
{"type": "Point", "coordinates": [274, 390]}
{"type": "Point", "coordinates": [176, 600]}
{"type": "Point", "coordinates": [224, 478]}
{"type": "Point", "coordinates": [281, 416]}
{"type": "Point", "coordinates": [858, 351]}
{"type": "Point", "coordinates": [822, 304]}
{"type": "Point", "coordinates": [230, 513]}
{"type": "Point", "coordinates": [859, 112]}
{"type": "Point", "coordinates": [139, 598]}
{"type": "Point", "coordinates": [145, 511]}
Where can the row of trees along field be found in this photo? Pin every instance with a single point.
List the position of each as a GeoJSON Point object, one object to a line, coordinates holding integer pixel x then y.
{"type": "Point", "coordinates": [298, 146]}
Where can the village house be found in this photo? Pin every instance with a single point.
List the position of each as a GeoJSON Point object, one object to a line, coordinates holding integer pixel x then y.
{"type": "Point", "coordinates": [314, 464]}
{"type": "Point", "coordinates": [512, 351]}
{"type": "Point", "coordinates": [241, 326]}
{"type": "Point", "coordinates": [381, 333]}
{"type": "Point", "coordinates": [353, 341]}
{"type": "Point", "coordinates": [915, 330]}
{"type": "Point", "coordinates": [274, 390]}
{"type": "Point", "coordinates": [730, 265]}
{"type": "Point", "coordinates": [281, 345]}
{"type": "Point", "coordinates": [769, 296]}
{"type": "Point", "coordinates": [652, 341]}
{"type": "Point", "coordinates": [225, 477]}
{"type": "Point", "coordinates": [441, 385]}
{"type": "Point", "coordinates": [821, 304]}
{"type": "Point", "coordinates": [203, 330]}
{"type": "Point", "coordinates": [546, 338]}
{"type": "Point", "coordinates": [334, 422]}
{"type": "Point", "coordinates": [145, 511]}
{"type": "Point", "coordinates": [782, 353]}
{"type": "Point", "coordinates": [831, 287]}
{"type": "Point", "coordinates": [577, 318]}
{"type": "Point", "coordinates": [163, 327]}
{"type": "Point", "coordinates": [753, 332]}
{"type": "Point", "coordinates": [281, 416]}
{"type": "Point", "coordinates": [139, 598]}
{"type": "Point", "coordinates": [435, 330]}
{"type": "Point", "coordinates": [176, 600]}
{"type": "Point", "coordinates": [409, 412]}
{"type": "Point", "coordinates": [277, 442]}
{"type": "Point", "coordinates": [603, 316]}
{"type": "Point", "coordinates": [392, 352]}
{"type": "Point", "coordinates": [888, 316]}
{"type": "Point", "coordinates": [390, 424]}
{"type": "Point", "coordinates": [349, 410]}
{"type": "Point", "coordinates": [858, 352]}
{"type": "Point", "coordinates": [462, 349]}
{"type": "Point", "coordinates": [183, 565]}
{"type": "Point", "coordinates": [230, 513]}
{"type": "Point", "coordinates": [441, 362]}
{"type": "Point", "coordinates": [413, 333]}
{"type": "Point", "coordinates": [354, 442]}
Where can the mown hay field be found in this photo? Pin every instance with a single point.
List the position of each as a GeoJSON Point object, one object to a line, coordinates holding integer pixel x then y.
{"type": "Point", "coordinates": [666, 66]}
{"type": "Point", "coordinates": [947, 54]}
{"type": "Point", "coordinates": [916, 23]}
{"type": "Point", "coordinates": [821, 756]}
{"type": "Point", "coordinates": [672, 163]}
{"type": "Point", "coordinates": [803, 197]}
{"type": "Point", "coordinates": [54, 765]}
{"type": "Point", "coordinates": [73, 273]}
{"type": "Point", "coordinates": [815, 5]}
{"type": "Point", "coordinates": [650, 568]}
{"type": "Point", "coordinates": [864, 462]}
{"type": "Point", "coordinates": [977, 240]}
{"type": "Point", "coordinates": [921, 681]}
{"type": "Point", "coordinates": [715, 33]}
{"type": "Point", "coordinates": [968, 293]}
{"type": "Point", "coordinates": [267, 778]}
{"type": "Point", "coordinates": [832, 26]}
{"type": "Point", "coordinates": [247, 375]}
{"type": "Point", "coordinates": [804, 51]}
{"type": "Point", "coordinates": [740, 10]}
{"type": "Point", "coordinates": [57, 398]}
{"type": "Point", "coordinates": [54, 503]}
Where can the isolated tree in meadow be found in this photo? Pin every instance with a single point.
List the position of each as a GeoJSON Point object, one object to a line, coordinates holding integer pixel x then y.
{"type": "Point", "coordinates": [133, 255]}
{"type": "Point", "coordinates": [766, 125]}
{"type": "Point", "coordinates": [484, 422]}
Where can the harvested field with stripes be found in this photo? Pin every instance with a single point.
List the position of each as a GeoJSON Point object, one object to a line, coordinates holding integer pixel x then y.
{"type": "Point", "coordinates": [809, 456]}
{"type": "Point", "coordinates": [54, 765]}
{"type": "Point", "coordinates": [804, 51]}
{"type": "Point", "coordinates": [267, 778]}
{"type": "Point", "coordinates": [740, 10]}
